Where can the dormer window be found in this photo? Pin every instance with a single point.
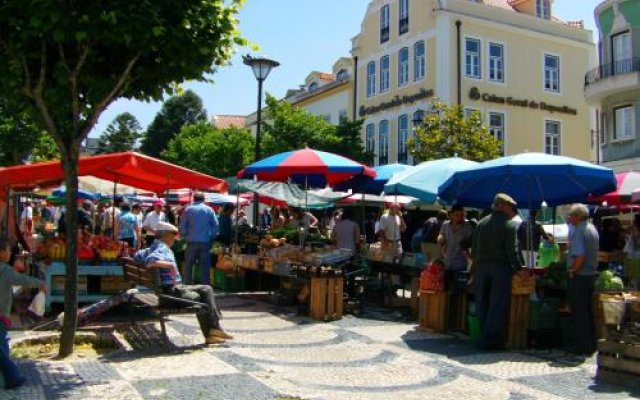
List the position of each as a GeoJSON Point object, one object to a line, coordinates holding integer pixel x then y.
{"type": "Point", "coordinates": [313, 87]}
{"type": "Point", "coordinates": [384, 24]}
{"type": "Point", "coordinates": [543, 9]}
{"type": "Point", "coordinates": [342, 75]}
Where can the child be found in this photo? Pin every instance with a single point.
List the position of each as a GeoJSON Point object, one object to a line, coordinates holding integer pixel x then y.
{"type": "Point", "coordinates": [8, 278]}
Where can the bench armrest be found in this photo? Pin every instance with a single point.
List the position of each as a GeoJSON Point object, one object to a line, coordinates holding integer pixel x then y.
{"type": "Point", "coordinates": [181, 300]}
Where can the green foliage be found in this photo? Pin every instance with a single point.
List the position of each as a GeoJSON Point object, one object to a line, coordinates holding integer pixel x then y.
{"type": "Point", "coordinates": [286, 127]}
{"type": "Point", "coordinates": [446, 132]}
{"type": "Point", "coordinates": [216, 152]}
{"type": "Point", "coordinates": [177, 112]}
{"type": "Point", "coordinates": [21, 139]}
{"type": "Point", "coordinates": [121, 134]}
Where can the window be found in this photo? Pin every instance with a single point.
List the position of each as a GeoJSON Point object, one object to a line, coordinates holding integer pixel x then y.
{"type": "Point", "coordinates": [418, 118]}
{"type": "Point", "coordinates": [313, 86]}
{"type": "Point", "coordinates": [470, 112]}
{"type": "Point", "coordinates": [496, 127]}
{"type": "Point", "coordinates": [542, 9]}
{"type": "Point", "coordinates": [551, 73]}
{"type": "Point", "coordinates": [370, 138]}
{"type": "Point", "coordinates": [384, 24]}
{"type": "Point", "coordinates": [472, 58]}
{"type": "Point", "coordinates": [384, 74]}
{"type": "Point", "coordinates": [403, 66]}
{"type": "Point", "coordinates": [383, 147]}
{"type": "Point", "coordinates": [621, 53]}
{"type": "Point", "coordinates": [403, 136]}
{"type": "Point", "coordinates": [342, 115]}
{"type": "Point", "coordinates": [342, 75]}
{"type": "Point", "coordinates": [552, 137]}
{"type": "Point", "coordinates": [624, 123]}
{"type": "Point", "coordinates": [371, 78]}
{"type": "Point", "coordinates": [419, 64]}
{"type": "Point", "coordinates": [496, 62]}
{"type": "Point", "coordinates": [404, 17]}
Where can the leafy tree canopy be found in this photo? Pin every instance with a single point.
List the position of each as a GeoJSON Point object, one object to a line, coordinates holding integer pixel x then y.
{"type": "Point", "coordinates": [287, 127]}
{"type": "Point", "coordinates": [213, 151]}
{"type": "Point", "coordinates": [446, 132]}
{"type": "Point", "coordinates": [177, 112]}
{"type": "Point", "coordinates": [121, 134]}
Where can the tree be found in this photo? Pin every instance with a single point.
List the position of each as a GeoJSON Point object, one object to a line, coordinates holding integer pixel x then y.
{"type": "Point", "coordinates": [446, 132]}
{"type": "Point", "coordinates": [350, 141]}
{"type": "Point", "coordinates": [21, 139]}
{"type": "Point", "coordinates": [216, 152]}
{"type": "Point", "coordinates": [121, 134]}
{"type": "Point", "coordinates": [66, 61]}
{"type": "Point", "coordinates": [176, 112]}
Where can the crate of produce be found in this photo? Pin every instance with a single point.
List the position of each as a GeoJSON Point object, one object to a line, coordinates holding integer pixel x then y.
{"type": "Point", "coordinates": [518, 322]}
{"type": "Point", "coordinates": [433, 314]}
{"type": "Point", "coordinates": [619, 362]}
{"type": "Point", "coordinates": [58, 285]}
{"type": "Point", "coordinates": [543, 314]}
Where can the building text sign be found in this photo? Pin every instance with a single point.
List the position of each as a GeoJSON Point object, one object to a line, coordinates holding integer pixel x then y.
{"type": "Point", "coordinates": [476, 95]}
{"type": "Point", "coordinates": [396, 102]}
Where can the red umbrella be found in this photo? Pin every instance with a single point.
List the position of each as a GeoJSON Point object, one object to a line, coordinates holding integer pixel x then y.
{"type": "Point", "coordinates": [627, 182]}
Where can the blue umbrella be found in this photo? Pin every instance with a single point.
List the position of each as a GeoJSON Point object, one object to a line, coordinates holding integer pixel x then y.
{"type": "Point", "coordinates": [82, 194]}
{"type": "Point", "coordinates": [366, 184]}
{"type": "Point", "coordinates": [530, 178]}
{"type": "Point", "coordinates": [423, 180]}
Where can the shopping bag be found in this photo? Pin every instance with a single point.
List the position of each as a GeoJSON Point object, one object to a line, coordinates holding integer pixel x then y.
{"type": "Point", "coordinates": [37, 304]}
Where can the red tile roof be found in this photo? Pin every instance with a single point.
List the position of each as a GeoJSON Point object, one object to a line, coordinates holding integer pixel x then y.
{"type": "Point", "coordinates": [227, 121]}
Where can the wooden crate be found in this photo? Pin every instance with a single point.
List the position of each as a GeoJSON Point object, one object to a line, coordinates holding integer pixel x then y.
{"type": "Point", "coordinates": [433, 310]}
{"type": "Point", "coordinates": [619, 363]}
{"type": "Point", "coordinates": [518, 322]}
{"type": "Point", "coordinates": [457, 312]}
{"type": "Point", "coordinates": [113, 284]}
{"type": "Point", "coordinates": [326, 298]}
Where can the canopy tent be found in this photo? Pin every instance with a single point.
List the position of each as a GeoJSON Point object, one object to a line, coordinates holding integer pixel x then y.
{"type": "Point", "coordinates": [292, 195]}
{"type": "Point", "coordinates": [127, 168]}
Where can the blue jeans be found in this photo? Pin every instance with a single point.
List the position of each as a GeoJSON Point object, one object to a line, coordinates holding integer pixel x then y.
{"type": "Point", "coordinates": [493, 293]}
{"type": "Point", "coordinates": [10, 370]}
{"type": "Point", "coordinates": [200, 253]}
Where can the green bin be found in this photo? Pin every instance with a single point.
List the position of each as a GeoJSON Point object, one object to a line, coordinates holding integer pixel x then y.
{"type": "Point", "coordinates": [474, 328]}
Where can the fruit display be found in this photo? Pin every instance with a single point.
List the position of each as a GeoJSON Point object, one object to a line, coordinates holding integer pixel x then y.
{"type": "Point", "coordinates": [107, 249]}
{"type": "Point", "coordinates": [270, 242]}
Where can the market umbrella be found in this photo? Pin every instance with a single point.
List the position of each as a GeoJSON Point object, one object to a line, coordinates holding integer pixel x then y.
{"type": "Point", "coordinates": [308, 167]}
{"type": "Point", "coordinates": [82, 194]}
{"type": "Point", "coordinates": [530, 178]}
{"type": "Point", "coordinates": [373, 185]}
{"type": "Point", "coordinates": [423, 180]}
{"type": "Point", "coordinates": [627, 183]}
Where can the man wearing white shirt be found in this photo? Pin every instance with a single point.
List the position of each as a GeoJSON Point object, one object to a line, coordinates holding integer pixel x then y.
{"type": "Point", "coordinates": [151, 220]}
{"type": "Point", "coordinates": [27, 220]}
{"type": "Point", "coordinates": [392, 225]}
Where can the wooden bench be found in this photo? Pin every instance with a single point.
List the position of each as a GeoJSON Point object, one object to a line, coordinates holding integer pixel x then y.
{"type": "Point", "coordinates": [161, 304]}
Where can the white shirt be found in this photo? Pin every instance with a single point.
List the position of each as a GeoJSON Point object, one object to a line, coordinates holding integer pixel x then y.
{"type": "Point", "coordinates": [108, 217]}
{"type": "Point", "coordinates": [152, 219]}
{"type": "Point", "coordinates": [27, 213]}
{"type": "Point", "coordinates": [390, 224]}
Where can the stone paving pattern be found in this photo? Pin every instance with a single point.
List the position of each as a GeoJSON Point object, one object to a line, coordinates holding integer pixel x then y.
{"type": "Point", "coordinates": [276, 354]}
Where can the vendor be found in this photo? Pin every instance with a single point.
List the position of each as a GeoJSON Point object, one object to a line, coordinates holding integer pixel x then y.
{"type": "Point", "coordinates": [391, 227]}
{"type": "Point", "coordinates": [452, 238]}
{"type": "Point", "coordinates": [346, 233]}
{"type": "Point", "coordinates": [160, 255]}
{"type": "Point", "coordinates": [303, 219]}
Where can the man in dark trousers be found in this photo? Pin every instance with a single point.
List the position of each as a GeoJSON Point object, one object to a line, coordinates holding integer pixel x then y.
{"type": "Point", "coordinates": [495, 258]}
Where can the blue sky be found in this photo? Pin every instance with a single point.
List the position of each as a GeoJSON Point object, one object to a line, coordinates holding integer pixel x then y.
{"type": "Point", "coordinates": [303, 35]}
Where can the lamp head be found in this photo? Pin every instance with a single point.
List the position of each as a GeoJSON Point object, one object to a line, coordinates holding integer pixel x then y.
{"type": "Point", "coordinates": [261, 66]}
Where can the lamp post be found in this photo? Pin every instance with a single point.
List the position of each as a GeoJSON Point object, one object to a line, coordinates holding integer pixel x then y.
{"type": "Point", "coordinates": [261, 67]}
{"type": "Point", "coordinates": [416, 122]}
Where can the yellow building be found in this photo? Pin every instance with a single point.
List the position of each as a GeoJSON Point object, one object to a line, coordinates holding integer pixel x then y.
{"type": "Point", "coordinates": [509, 59]}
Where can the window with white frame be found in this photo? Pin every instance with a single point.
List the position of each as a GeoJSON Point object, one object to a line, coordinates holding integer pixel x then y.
{"type": "Point", "coordinates": [383, 142]}
{"type": "Point", "coordinates": [384, 24]}
{"type": "Point", "coordinates": [403, 136]}
{"type": "Point", "coordinates": [418, 118]}
{"type": "Point", "coordinates": [384, 74]}
{"type": "Point", "coordinates": [621, 51]}
{"type": "Point", "coordinates": [370, 138]}
{"type": "Point", "coordinates": [342, 74]}
{"type": "Point", "coordinates": [371, 78]}
{"type": "Point", "coordinates": [552, 137]}
{"type": "Point", "coordinates": [496, 62]}
{"type": "Point", "coordinates": [342, 114]}
{"type": "Point", "coordinates": [472, 67]}
{"type": "Point", "coordinates": [419, 61]}
{"type": "Point", "coordinates": [403, 21]}
{"type": "Point", "coordinates": [542, 9]}
{"type": "Point", "coordinates": [624, 122]}
{"type": "Point", "coordinates": [551, 73]}
{"type": "Point", "coordinates": [496, 127]}
{"type": "Point", "coordinates": [471, 112]}
{"type": "Point", "coordinates": [403, 66]}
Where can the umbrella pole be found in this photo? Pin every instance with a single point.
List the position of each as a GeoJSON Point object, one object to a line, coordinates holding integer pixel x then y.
{"type": "Point", "coordinates": [362, 214]}
{"type": "Point", "coordinates": [235, 231]}
{"type": "Point", "coordinates": [113, 210]}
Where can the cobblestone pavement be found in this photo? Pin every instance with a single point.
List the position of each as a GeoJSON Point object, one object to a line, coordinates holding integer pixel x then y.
{"type": "Point", "coordinates": [277, 355]}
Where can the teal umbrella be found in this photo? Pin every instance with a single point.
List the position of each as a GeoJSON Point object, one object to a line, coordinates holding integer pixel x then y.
{"type": "Point", "coordinates": [423, 180]}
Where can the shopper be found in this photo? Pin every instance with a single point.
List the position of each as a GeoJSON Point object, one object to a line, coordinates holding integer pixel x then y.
{"type": "Point", "coordinates": [9, 278]}
{"type": "Point", "coordinates": [151, 220]}
{"type": "Point", "coordinates": [582, 263]}
{"type": "Point", "coordinates": [391, 227]}
{"type": "Point", "coordinates": [160, 255]}
{"type": "Point", "coordinates": [26, 220]}
{"type": "Point", "coordinates": [495, 259]}
{"type": "Point", "coordinates": [453, 235]}
{"type": "Point", "coordinates": [225, 232]}
{"type": "Point", "coordinates": [129, 230]}
{"type": "Point", "coordinates": [430, 232]}
{"type": "Point", "coordinates": [199, 226]}
{"type": "Point", "coordinates": [346, 233]}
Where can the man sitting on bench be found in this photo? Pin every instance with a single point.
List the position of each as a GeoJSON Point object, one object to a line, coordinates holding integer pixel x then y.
{"type": "Point", "coordinates": [160, 255]}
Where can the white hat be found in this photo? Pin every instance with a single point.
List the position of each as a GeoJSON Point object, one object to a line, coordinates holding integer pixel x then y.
{"type": "Point", "coordinates": [165, 227]}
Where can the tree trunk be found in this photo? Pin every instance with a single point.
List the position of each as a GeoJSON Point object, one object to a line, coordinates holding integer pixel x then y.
{"type": "Point", "coordinates": [69, 158]}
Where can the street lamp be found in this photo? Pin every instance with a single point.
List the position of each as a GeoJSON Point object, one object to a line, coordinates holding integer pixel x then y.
{"type": "Point", "coordinates": [261, 67]}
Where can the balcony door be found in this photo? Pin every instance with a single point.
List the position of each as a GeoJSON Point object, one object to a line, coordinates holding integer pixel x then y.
{"type": "Point", "coordinates": [621, 53]}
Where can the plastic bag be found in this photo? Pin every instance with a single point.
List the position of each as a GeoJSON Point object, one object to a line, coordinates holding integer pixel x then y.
{"type": "Point", "coordinates": [37, 304]}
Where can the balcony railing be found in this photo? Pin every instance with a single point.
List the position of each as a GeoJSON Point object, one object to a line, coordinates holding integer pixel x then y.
{"type": "Point", "coordinates": [384, 34]}
{"type": "Point", "coordinates": [622, 67]}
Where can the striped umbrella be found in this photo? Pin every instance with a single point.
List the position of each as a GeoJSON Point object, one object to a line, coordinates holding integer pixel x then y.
{"type": "Point", "coordinates": [626, 183]}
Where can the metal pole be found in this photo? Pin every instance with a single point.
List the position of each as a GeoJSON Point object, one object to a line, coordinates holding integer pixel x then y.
{"type": "Point", "coordinates": [256, 203]}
